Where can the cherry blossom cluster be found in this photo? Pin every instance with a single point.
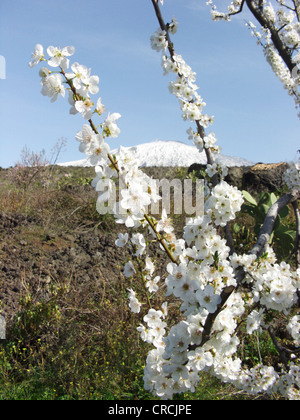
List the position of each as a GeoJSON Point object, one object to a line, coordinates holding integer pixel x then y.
{"type": "Point", "coordinates": [184, 87]}
{"type": "Point", "coordinates": [178, 358]}
{"type": "Point", "coordinates": [274, 285]}
{"type": "Point", "coordinates": [224, 202]}
{"type": "Point", "coordinates": [280, 21]}
{"type": "Point", "coordinates": [218, 291]}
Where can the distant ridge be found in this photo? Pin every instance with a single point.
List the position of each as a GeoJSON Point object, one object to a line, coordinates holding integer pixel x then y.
{"type": "Point", "coordinates": [168, 154]}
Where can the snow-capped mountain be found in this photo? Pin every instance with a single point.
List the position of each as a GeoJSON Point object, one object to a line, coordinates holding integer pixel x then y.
{"type": "Point", "coordinates": [168, 153]}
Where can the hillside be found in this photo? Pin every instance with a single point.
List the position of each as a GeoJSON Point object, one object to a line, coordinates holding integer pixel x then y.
{"type": "Point", "coordinates": [70, 333]}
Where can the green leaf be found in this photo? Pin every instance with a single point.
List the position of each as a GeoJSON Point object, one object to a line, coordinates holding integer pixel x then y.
{"type": "Point", "coordinates": [236, 228]}
{"type": "Point", "coordinates": [286, 230]}
{"type": "Point", "coordinates": [284, 212]}
{"type": "Point", "coordinates": [249, 198]}
{"type": "Point", "coordinates": [285, 241]}
{"type": "Point", "coordinates": [263, 210]}
{"type": "Point", "coordinates": [265, 198]}
{"type": "Point", "coordinates": [249, 209]}
{"type": "Point", "coordinates": [273, 198]}
{"type": "Point", "coordinates": [277, 224]}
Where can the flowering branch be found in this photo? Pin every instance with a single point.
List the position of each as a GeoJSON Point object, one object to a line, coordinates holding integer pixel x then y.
{"type": "Point", "coordinates": [279, 37]}
{"type": "Point", "coordinates": [114, 163]}
{"type": "Point", "coordinates": [219, 290]}
{"type": "Point", "coordinates": [168, 43]}
{"type": "Point", "coordinates": [282, 48]}
{"type": "Point", "coordinates": [219, 303]}
{"type": "Point", "coordinates": [164, 27]}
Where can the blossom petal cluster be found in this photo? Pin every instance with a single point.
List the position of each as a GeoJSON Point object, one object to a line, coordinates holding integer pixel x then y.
{"type": "Point", "coordinates": [37, 55]}
{"type": "Point", "coordinates": [134, 304]}
{"type": "Point", "coordinates": [79, 83]}
{"type": "Point", "coordinates": [58, 56]}
{"type": "Point", "coordinates": [225, 201]}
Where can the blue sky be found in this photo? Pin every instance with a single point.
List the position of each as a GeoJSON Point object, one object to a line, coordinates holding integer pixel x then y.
{"type": "Point", "coordinates": [254, 117]}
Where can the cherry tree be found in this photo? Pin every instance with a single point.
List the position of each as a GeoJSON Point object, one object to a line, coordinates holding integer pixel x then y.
{"type": "Point", "coordinates": [222, 295]}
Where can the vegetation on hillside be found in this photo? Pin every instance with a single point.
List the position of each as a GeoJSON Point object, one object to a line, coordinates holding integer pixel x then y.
{"type": "Point", "coordinates": [70, 333]}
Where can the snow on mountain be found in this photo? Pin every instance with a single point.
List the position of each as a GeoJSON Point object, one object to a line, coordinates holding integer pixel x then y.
{"type": "Point", "coordinates": [168, 153]}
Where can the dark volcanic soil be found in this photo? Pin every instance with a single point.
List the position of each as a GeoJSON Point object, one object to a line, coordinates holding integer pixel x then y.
{"type": "Point", "coordinates": [30, 260]}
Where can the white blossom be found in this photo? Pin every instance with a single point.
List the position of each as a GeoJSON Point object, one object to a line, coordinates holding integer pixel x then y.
{"type": "Point", "coordinates": [129, 269]}
{"type": "Point", "coordinates": [53, 87]}
{"type": "Point", "coordinates": [134, 304]}
{"type": "Point", "coordinates": [110, 128]}
{"type": "Point", "coordinates": [85, 108]}
{"type": "Point", "coordinates": [159, 41]}
{"type": "Point", "coordinates": [122, 240]}
{"type": "Point", "coordinates": [208, 299]}
{"type": "Point", "coordinates": [58, 56]}
{"type": "Point", "coordinates": [37, 56]}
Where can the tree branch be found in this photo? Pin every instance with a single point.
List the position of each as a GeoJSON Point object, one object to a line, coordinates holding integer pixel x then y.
{"type": "Point", "coordinates": [284, 353]}
{"type": "Point", "coordinates": [265, 23]}
{"type": "Point", "coordinates": [297, 8]}
{"type": "Point", "coordinates": [200, 128]}
{"type": "Point", "coordinates": [234, 13]}
{"type": "Point", "coordinates": [163, 27]}
{"type": "Point", "coordinates": [268, 226]}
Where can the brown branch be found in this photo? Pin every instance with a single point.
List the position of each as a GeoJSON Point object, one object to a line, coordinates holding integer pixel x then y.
{"type": "Point", "coordinates": [297, 8]}
{"type": "Point", "coordinates": [229, 238]}
{"type": "Point", "coordinates": [238, 11]}
{"type": "Point", "coordinates": [225, 295]}
{"type": "Point", "coordinates": [161, 240]}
